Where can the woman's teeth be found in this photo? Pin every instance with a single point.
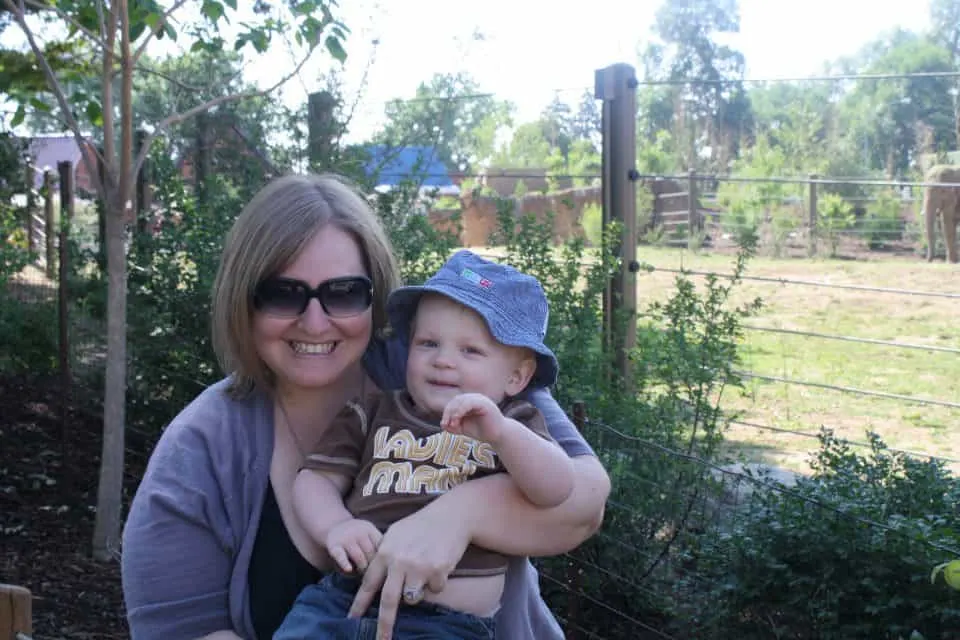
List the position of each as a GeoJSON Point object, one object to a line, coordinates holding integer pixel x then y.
{"type": "Point", "coordinates": [312, 348]}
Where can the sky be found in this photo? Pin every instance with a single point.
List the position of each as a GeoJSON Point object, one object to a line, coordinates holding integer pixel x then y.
{"type": "Point", "coordinates": [532, 50]}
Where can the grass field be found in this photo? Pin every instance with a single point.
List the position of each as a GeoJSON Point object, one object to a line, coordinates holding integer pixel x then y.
{"type": "Point", "coordinates": [902, 318]}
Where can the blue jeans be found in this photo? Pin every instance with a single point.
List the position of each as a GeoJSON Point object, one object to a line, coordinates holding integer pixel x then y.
{"type": "Point", "coordinates": [320, 613]}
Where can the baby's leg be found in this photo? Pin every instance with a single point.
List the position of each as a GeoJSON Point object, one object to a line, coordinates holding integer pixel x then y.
{"type": "Point", "coordinates": [320, 613]}
{"type": "Point", "coordinates": [434, 621]}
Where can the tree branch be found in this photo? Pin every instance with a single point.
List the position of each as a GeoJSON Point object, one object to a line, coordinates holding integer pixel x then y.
{"type": "Point", "coordinates": [109, 26]}
{"type": "Point", "coordinates": [19, 17]}
{"type": "Point", "coordinates": [160, 74]}
{"type": "Point", "coordinates": [209, 104]}
{"type": "Point", "coordinates": [156, 29]}
{"type": "Point", "coordinates": [34, 4]}
{"type": "Point", "coordinates": [264, 160]}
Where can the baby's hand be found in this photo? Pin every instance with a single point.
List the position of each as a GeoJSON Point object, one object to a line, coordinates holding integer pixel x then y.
{"type": "Point", "coordinates": [352, 544]}
{"type": "Point", "coordinates": [474, 415]}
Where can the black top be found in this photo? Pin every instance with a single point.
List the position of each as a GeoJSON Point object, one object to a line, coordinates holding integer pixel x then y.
{"type": "Point", "coordinates": [278, 573]}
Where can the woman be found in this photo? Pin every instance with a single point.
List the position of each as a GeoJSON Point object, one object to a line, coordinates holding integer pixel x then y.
{"type": "Point", "coordinates": [211, 548]}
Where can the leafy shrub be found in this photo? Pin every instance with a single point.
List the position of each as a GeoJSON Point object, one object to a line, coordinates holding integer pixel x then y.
{"type": "Point", "coordinates": [28, 336]}
{"type": "Point", "coordinates": [883, 223]}
{"type": "Point", "coordinates": [834, 216]}
{"type": "Point", "coordinates": [592, 223]}
{"type": "Point", "coordinates": [844, 554]}
{"type": "Point", "coordinates": [14, 244]}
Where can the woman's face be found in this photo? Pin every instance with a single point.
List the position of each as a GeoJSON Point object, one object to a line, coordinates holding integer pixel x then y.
{"type": "Point", "coordinates": [313, 350]}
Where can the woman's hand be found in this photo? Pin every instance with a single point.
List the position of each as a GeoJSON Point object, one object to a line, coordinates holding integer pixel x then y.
{"type": "Point", "coordinates": [416, 553]}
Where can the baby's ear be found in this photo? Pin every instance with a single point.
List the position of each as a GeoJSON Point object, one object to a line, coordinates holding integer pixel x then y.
{"type": "Point", "coordinates": [521, 375]}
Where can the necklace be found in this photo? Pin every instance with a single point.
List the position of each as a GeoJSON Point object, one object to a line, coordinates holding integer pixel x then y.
{"type": "Point", "coordinates": [293, 433]}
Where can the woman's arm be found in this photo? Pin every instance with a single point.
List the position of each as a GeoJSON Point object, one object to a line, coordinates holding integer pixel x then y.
{"type": "Point", "coordinates": [175, 561]}
{"type": "Point", "coordinates": [484, 505]}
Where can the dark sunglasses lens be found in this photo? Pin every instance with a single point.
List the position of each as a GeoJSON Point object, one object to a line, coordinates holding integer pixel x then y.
{"type": "Point", "coordinates": [347, 296]}
{"type": "Point", "coordinates": [280, 297]}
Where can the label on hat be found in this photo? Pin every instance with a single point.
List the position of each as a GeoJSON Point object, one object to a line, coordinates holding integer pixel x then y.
{"type": "Point", "coordinates": [476, 278]}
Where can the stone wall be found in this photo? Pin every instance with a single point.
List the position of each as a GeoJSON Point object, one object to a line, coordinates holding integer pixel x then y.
{"type": "Point", "coordinates": [479, 213]}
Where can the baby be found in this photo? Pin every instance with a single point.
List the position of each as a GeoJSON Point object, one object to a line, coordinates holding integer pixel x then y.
{"type": "Point", "coordinates": [476, 333]}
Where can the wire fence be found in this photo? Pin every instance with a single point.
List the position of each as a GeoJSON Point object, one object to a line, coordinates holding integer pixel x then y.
{"type": "Point", "coordinates": [700, 509]}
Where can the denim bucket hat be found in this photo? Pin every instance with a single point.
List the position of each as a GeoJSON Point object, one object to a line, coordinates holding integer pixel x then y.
{"type": "Point", "coordinates": [512, 303]}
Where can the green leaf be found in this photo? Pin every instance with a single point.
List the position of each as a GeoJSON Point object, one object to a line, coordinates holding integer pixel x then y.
{"type": "Point", "coordinates": [137, 29]}
{"type": "Point", "coordinates": [336, 49]}
{"type": "Point", "coordinates": [95, 113]}
{"type": "Point", "coordinates": [232, 4]}
{"type": "Point", "coordinates": [18, 116]}
{"type": "Point", "coordinates": [260, 40]}
{"type": "Point", "coordinates": [305, 8]}
{"type": "Point", "coordinates": [212, 10]}
{"type": "Point", "coordinates": [40, 105]}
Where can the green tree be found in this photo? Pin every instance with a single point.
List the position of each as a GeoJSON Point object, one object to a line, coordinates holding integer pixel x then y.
{"type": "Point", "coordinates": [797, 118]}
{"type": "Point", "coordinates": [118, 32]}
{"type": "Point", "coordinates": [945, 23]}
{"type": "Point", "coordinates": [556, 121]}
{"type": "Point", "coordinates": [587, 121]}
{"type": "Point", "coordinates": [712, 108]}
{"type": "Point", "coordinates": [528, 148]}
{"type": "Point", "coordinates": [450, 114]}
{"type": "Point", "coordinates": [21, 78]}
{"type": "Point", "coordinates": [887, 115]}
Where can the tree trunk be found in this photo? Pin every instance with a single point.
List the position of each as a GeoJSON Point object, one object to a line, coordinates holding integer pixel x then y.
{"type": "Point", "coordinates": [106, 533]}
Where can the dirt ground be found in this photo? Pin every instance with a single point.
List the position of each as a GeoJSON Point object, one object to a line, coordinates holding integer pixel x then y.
{"type": "Point", "coordinates": [47, 514]}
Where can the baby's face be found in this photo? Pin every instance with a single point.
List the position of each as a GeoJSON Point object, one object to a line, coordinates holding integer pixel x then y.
{"type": "Point", "coordinates": [453, 352]}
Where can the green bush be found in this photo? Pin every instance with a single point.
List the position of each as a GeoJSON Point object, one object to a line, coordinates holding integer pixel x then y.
{"type": "Point", "coordinates": [844, 554]}
{"type": "Point", "coordinates": [592, 223]}
{"type": "Point", "coordinates": [14, 244]}
{"type": "Point", "coordinates": [834, 216]}
{"type": "Point", "coordinates": [883, 223]}
{"type": "Point", "coordinates": [28, 336]}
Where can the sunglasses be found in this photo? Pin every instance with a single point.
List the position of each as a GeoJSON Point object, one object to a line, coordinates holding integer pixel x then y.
{"type": "Point", "coordinates": [339, 297]}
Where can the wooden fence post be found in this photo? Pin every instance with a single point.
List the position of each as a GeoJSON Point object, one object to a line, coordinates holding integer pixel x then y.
{"type": "Point", "coordinates": [202, 158]}
{"type": "Point", "coordinates": [321, 129]}
{"type": "Point", "coordinates": [16, 614]}
{"type": "Point", "coordinates": [66, 218]}
{"type": "Point", "coordinates": [812, 218]}
{"type": "Point", "coordinates": [693, 214]}
{"type": "Point", "coordinates": [616, 85]}
{"type": "Point", "coordinates": [31, 204]}
{"type": "Point", "coordinates": [49, 222]}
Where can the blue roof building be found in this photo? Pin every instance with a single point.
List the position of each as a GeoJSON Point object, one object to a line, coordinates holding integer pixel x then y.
{"type": "Point", "coordinates": [392, 165]}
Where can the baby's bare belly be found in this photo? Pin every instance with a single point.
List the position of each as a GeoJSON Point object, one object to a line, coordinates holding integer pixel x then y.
{"type": "Point", "coordinates": [477, 595]}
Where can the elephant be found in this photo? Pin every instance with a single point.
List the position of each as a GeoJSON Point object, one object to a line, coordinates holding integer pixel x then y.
{"type": "Point", "coordinates": [943, 202]}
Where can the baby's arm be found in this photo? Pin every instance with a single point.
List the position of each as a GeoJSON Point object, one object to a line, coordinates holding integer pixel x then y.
{"type": "Point", "coordinates": [318, 503]}
{"type": "Point", "coordinates": [539, 467]}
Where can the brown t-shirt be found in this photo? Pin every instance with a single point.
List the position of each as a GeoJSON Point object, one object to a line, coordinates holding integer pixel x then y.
{"type": "Point", "coordinates": [400, 461]}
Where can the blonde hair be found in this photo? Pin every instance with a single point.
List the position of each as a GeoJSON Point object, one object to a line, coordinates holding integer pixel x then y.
{"type": "Point", "coordinates": [269, 234]}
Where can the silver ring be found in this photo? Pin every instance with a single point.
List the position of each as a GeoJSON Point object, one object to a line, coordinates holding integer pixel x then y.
{"type": "Point", "coordinates": [412, 595]}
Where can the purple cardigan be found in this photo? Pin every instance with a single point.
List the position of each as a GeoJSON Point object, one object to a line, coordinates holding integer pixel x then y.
{"type": "Point", "coordinates": [192, 524]}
